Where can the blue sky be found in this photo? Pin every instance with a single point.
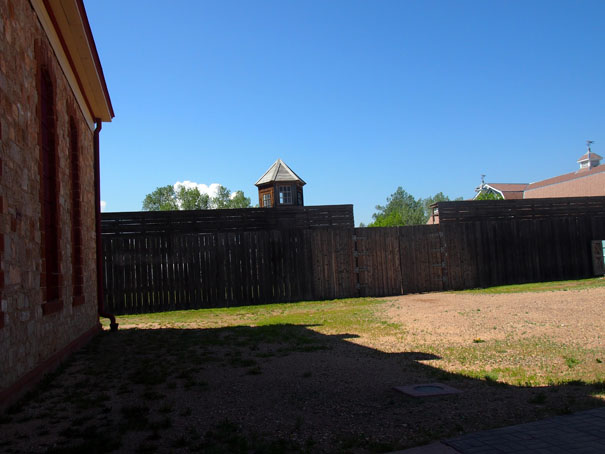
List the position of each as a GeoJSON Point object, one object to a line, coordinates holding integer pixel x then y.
{"type": "Point", "coordinates": [357, 97]}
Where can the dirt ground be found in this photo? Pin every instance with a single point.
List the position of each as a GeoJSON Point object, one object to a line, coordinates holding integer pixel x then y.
{"type": "Point", "coordinates": [296, 388]}
{"type": "Point", "coordinates": [575, 317]}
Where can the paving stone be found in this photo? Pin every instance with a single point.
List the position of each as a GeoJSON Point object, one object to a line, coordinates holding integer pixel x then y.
{"type": "Point", "coordinates": [464, 444]}
{"type": "Point", "coordinates": [598, 413]}
{"type": "Point", "coordinates": [580, 433]}
{"type": "Point", "coordinates": [587, 450]}
{"type": "Point", "coordinates": [484, 450]}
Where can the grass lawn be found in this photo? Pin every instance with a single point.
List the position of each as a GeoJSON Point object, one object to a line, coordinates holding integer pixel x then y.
{"type": "Point", "coordinates": [579, 284]}
{"type": "Point", "coordinates": [319, 376]}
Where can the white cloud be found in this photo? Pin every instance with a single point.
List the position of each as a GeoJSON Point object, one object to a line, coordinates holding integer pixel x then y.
{"type": "Point", "coordinates": [211, 190]}
{"type": "Point", "coordinates": [103, 205]}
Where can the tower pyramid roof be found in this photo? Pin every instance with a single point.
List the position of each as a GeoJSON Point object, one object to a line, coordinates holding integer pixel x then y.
{"type": "Point", "coordinates": [279, 171]}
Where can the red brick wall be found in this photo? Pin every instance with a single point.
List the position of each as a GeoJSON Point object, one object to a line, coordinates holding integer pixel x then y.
{"type": "Point", "coordinates": [29, 336]}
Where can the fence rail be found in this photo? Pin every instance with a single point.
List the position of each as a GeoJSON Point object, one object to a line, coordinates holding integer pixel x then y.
{"type": "Point", "coordinates": [171, 269]}
{"type": "Point", "coordinates": [497, 210]}
{"type": "Point", "coordinates": [214, 221]}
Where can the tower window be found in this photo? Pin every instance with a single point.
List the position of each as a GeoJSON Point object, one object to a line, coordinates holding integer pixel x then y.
{"type": "Point", "coordinates": [285, 195]}
{"type": "Point", "coordinates": [266, 200]}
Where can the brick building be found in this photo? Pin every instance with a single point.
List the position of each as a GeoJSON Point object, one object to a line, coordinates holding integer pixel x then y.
{"type": "Point", "coordinates": [53, 98]}
{"type": "Point", "coordinates": [588, 180]}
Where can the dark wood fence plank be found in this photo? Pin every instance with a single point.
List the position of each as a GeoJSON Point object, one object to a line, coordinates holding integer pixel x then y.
{"type": "Point", "coordinates": [406, 260]}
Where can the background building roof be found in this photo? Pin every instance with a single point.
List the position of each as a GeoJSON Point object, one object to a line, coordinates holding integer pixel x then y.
{"type": "Point", "coordinates": [566, 177]}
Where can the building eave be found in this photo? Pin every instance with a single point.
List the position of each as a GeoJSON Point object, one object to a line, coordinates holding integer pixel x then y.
{"type": "Point", "coordinates": [67, 27]}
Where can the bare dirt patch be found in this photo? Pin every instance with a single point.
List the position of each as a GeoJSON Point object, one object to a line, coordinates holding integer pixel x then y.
{"type": "Point", "coordinates": [457, 318]}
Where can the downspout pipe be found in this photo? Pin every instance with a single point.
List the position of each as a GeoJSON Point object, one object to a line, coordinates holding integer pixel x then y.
{"type": "Point", "coordinates": [102, 313]}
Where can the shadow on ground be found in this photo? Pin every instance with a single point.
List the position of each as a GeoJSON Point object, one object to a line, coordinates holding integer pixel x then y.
{"type": "Point", "coordinates": [267, 389]}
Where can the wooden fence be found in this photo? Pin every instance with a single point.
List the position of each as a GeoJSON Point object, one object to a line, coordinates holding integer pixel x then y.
{"type": "Point", "coordinates": [487, 253]}
{"type": "Point", "coordinates": [147, 272]}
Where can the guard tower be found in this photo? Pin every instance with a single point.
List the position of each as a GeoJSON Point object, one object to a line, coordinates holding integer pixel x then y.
{"type": "Point", "coordinates": [280, 186]}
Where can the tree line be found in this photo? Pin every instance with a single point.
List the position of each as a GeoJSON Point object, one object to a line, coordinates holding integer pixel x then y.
{"type": "Point", "coordinates": [167, 198]}
{"type": "Point", "coordinates": [403, 208]}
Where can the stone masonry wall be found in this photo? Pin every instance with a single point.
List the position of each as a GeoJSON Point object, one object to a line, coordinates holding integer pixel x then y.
{"type": "Point", "coordinates": [27, 337]}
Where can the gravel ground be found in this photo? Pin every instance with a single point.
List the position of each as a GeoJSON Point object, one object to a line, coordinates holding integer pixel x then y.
{"type": "Point", "coordinates": [293, 388]}
{"type": "Point", "coordinates": [453, 318]}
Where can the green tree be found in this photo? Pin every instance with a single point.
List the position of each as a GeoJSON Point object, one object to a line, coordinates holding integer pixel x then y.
{"type": "Point", "coordinates": [162, 199]}
{"type": "Point", "coordinates": [239, 200]}
{"type": "Point", "coordinates": [192, 199]}
{"type": "Point", "coordinates": [401, 209]}
{"type": "Point", "coordinates": [439, 197]}
{"type": "Point", "coordinates": [489, 195]}
{"type": "Point", "coordinates": [222, 198]}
